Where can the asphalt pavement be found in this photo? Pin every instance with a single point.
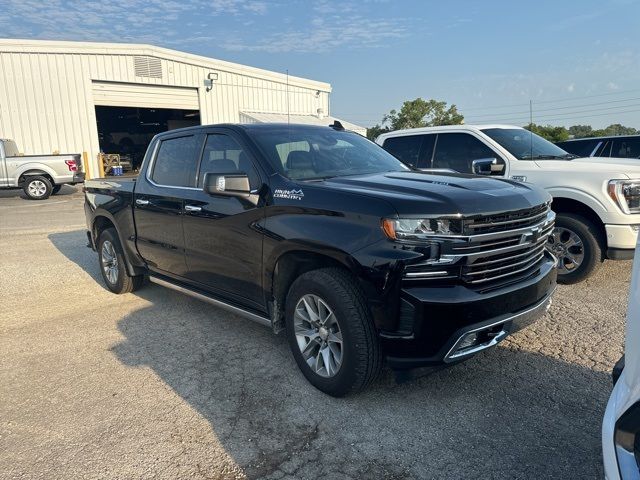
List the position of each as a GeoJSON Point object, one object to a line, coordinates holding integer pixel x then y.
{"type": "Point", "coordinates": [155, 384]}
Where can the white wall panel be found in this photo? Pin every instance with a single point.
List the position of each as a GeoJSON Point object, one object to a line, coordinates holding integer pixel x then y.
{"type": "Point", "coordinates": [118, 94]}
{"type": "Point", "coordinates": [47, 94]}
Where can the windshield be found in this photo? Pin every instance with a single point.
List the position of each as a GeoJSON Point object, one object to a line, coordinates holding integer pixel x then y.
{"type": "Point", "coordinates": [312, 153]}
{"type": "Point", "coordinates": [525, 145]}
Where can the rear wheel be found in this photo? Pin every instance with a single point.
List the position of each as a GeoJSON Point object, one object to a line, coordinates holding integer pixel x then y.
{"type": "Point", "coordinates": [37, 187]}
{"type": "Point", "coordinates": [331, 332]}
{"type": "Point", "coordinates": [112, 264]}
{"type": "Point", "coordinates": [575, 243]}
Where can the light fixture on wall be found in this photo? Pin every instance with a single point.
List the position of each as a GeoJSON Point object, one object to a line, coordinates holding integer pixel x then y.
{"type": "Point", "coordinates": [208, 82]}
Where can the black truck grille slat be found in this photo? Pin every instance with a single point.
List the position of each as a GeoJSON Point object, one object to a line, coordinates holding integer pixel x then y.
{"type": "Point", "coordinates": [496, 263]}
{"type": "Point", "coordinates": [500, 248]}
{"type": "Point", "coordinates": [506, 221]}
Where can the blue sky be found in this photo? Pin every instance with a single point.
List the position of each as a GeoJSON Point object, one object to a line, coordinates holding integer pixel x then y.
{"type": "Point", "coordinates": [579, 61]}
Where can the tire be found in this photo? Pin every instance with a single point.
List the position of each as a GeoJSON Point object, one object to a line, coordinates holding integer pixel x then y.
{"type": "Point", "coordinates": [56, 189]}
{"type": "Point", "coordinates": [113, 266]}
{"type": "Point", "coordinates": [358, 351]}
{"type": "Point", "coordinates": [575, 242]}
{"type": "Point", "coordinates": [37, 187]}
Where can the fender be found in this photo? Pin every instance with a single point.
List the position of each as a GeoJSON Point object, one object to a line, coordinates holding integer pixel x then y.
{"type": "Point", "coordinates": [134, 263]}
{"type": "Point", "coordinates": [306, 247]}
{"type": "Point", "coordinates": [33, 168]}
{"type": "Point", "coordinates": [580, 196]}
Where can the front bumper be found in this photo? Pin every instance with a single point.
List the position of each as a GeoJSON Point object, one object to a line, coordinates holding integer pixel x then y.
{"type": "Point", "coordinates": [452, 323]}
{"type": "Point", "coordinates": [622, 237]}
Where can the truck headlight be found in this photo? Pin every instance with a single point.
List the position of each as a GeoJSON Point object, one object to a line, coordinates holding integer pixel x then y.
{"type": "Point", "coordinates": [420, 229]}
{"type": "Point", "coordinates": [626, 193]}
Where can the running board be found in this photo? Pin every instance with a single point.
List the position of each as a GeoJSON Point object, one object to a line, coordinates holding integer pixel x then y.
{"type": "Point", "coordinates": [218, 303]}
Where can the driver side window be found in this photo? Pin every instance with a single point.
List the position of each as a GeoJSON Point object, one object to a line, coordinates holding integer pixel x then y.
{"type": "Point", "coordinates": [222, 154]}
{"type": "Point", "coordinates": [457, 151]}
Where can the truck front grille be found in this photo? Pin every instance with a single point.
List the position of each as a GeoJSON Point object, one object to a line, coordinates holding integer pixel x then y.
{"type": "Point", "coordinates": [505, 247]}
{"type": "Point", "coordinates": [507, 221]}
{"type": "Point", "coordinates": [509, 244]}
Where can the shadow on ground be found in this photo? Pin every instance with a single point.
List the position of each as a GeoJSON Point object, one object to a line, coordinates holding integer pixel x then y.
{"type": "Point", "coordinates": [19, 193]}
{"type": "Point", "coordinates": [73, 245]}
{"type": "Point", "coordinates": [506, 413]}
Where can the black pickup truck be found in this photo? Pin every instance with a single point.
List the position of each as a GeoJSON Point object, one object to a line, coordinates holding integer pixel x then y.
{"type": "Point", "coordinates": [318, 232]}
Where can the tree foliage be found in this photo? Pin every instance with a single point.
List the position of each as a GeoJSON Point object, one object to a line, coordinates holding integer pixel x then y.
{"type": "Point", "coordinates": [583, 131]}
{"type": "Point", "coordinates": [417, 113]}
{"type": "Point", "coordinates": [551, 133]}
{"type": "Point", "coordinates": [430, 113]}
{"type": "Point", "coordinates": [559, 134]}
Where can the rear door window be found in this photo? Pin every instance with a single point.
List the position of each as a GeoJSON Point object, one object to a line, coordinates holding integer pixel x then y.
{"type": "Point", "coordinates": [405, 148]}
{"type": "Point", "coordinates": [175, 163]}
{"type": "Point", "coordinates": [604, 149]}
{"type": "Point", "coordinates": [626, 148]}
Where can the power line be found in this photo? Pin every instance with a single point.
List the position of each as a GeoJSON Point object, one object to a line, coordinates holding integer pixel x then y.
{"type": "Point", "coordinates": [556, 100]}
{"type": "Point", "coordinates": [548, 118]}
{"type": "Point", "coordinates": [557, 108]}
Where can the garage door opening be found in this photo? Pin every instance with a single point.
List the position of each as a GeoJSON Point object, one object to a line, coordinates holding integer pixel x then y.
{"type": "Point", "coordinates": [127, 131]}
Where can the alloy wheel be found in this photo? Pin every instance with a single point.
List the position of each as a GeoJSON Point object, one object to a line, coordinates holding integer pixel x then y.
{"type": "Point", "coordinates": [109, 261]}
{"type": "Point", "coordinates": [37, 188]}
{"type": "Point", "coordinates": [568, 247]}
{"type": "Point", "coordinates": [318, 335]}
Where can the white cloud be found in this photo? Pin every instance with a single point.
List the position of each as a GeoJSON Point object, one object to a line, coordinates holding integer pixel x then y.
{"type": "Point", "coordinates": [116, 20]}
{"type": "Point", "coordinates": [571, 87]}
{"type": "Point", "coordinates": [613, 86]}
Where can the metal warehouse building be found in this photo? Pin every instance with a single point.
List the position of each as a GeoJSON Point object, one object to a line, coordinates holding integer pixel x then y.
{"type": "Point", "coordinates": [76, 97]}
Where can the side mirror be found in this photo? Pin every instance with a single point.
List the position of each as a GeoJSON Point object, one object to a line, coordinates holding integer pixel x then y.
{"type": "Point", "coordinates": [483, 166]}
{"type": "Point", "coordinates": [227, 184]}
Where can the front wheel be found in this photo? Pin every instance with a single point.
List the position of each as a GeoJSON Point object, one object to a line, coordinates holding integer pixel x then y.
{"type": "Point", "coordinates": [575, 244]}
{"type": "Point", "coordinates": [37, 188]}
{"type": "Point", "coordinates": [331, 332]}
{"type": "Point", "coordinates": [112, 264]}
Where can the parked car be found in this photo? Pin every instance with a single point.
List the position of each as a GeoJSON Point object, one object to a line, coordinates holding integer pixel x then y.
{"type": "Point", "coordinates": [597, 201]}
{"type": "Point", "coordinates": [623, 146]}
{"type": "Point", "coordinates": [621, 424]}
{"type": "Point", "coordinates": [38, 175]}
{"type": "Point", "coordinates": [321, 233]}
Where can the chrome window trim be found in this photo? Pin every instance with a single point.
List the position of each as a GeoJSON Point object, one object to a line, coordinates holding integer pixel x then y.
{"type": "Point", "coordinates": [152, 162]}
{"type": "Point", "coordinates": [593, 152]}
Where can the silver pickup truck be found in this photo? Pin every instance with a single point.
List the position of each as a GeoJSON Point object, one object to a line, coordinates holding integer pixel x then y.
{"type": "Point", "coordinates": [38, 175]}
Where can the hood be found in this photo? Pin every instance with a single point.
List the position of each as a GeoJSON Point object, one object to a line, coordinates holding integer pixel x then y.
{"type": "Point", "coordinates": [608, 167]}
{"type": "Point", "coordinates": [424, 193]}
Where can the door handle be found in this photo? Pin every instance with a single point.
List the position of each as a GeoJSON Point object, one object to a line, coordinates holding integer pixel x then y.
{"type": "Point", "coordinates": [139, 201]}
{"type": "Point", "coordinates": [192, 208]}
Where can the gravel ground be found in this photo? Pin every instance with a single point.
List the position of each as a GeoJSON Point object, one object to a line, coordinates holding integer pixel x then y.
{"type": "Point", "coordinates": [158, 385]}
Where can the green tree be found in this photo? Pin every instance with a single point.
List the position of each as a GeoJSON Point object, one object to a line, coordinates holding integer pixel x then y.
{"type": "Point", "coordinates": [551, 133]}
{"type": "Point", "coordinates": [580, 131]}
{"type": "Point", "coordinates": [617, 129]}
{"type": "Point", "coordinates": [375, 131]}
{"type": "Point", "coordinates": [422, 113]}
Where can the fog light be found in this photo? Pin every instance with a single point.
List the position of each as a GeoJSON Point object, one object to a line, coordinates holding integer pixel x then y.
{"type": "Point", "coordinates": [635, 228]}
{"type": "Point", "coordinates": [469, 340]}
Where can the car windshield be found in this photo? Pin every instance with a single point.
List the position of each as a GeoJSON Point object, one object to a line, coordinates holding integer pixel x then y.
{"type": "Point", "coordinates": [525, 145]}
{"type": "Point", "coordinates": [312, 153]}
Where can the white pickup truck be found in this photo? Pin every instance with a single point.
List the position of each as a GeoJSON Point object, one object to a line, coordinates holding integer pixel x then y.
{"type": "Point", "coordinates": [38, 175]}
{"type": "Point", "coordinates": [597, 201]}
